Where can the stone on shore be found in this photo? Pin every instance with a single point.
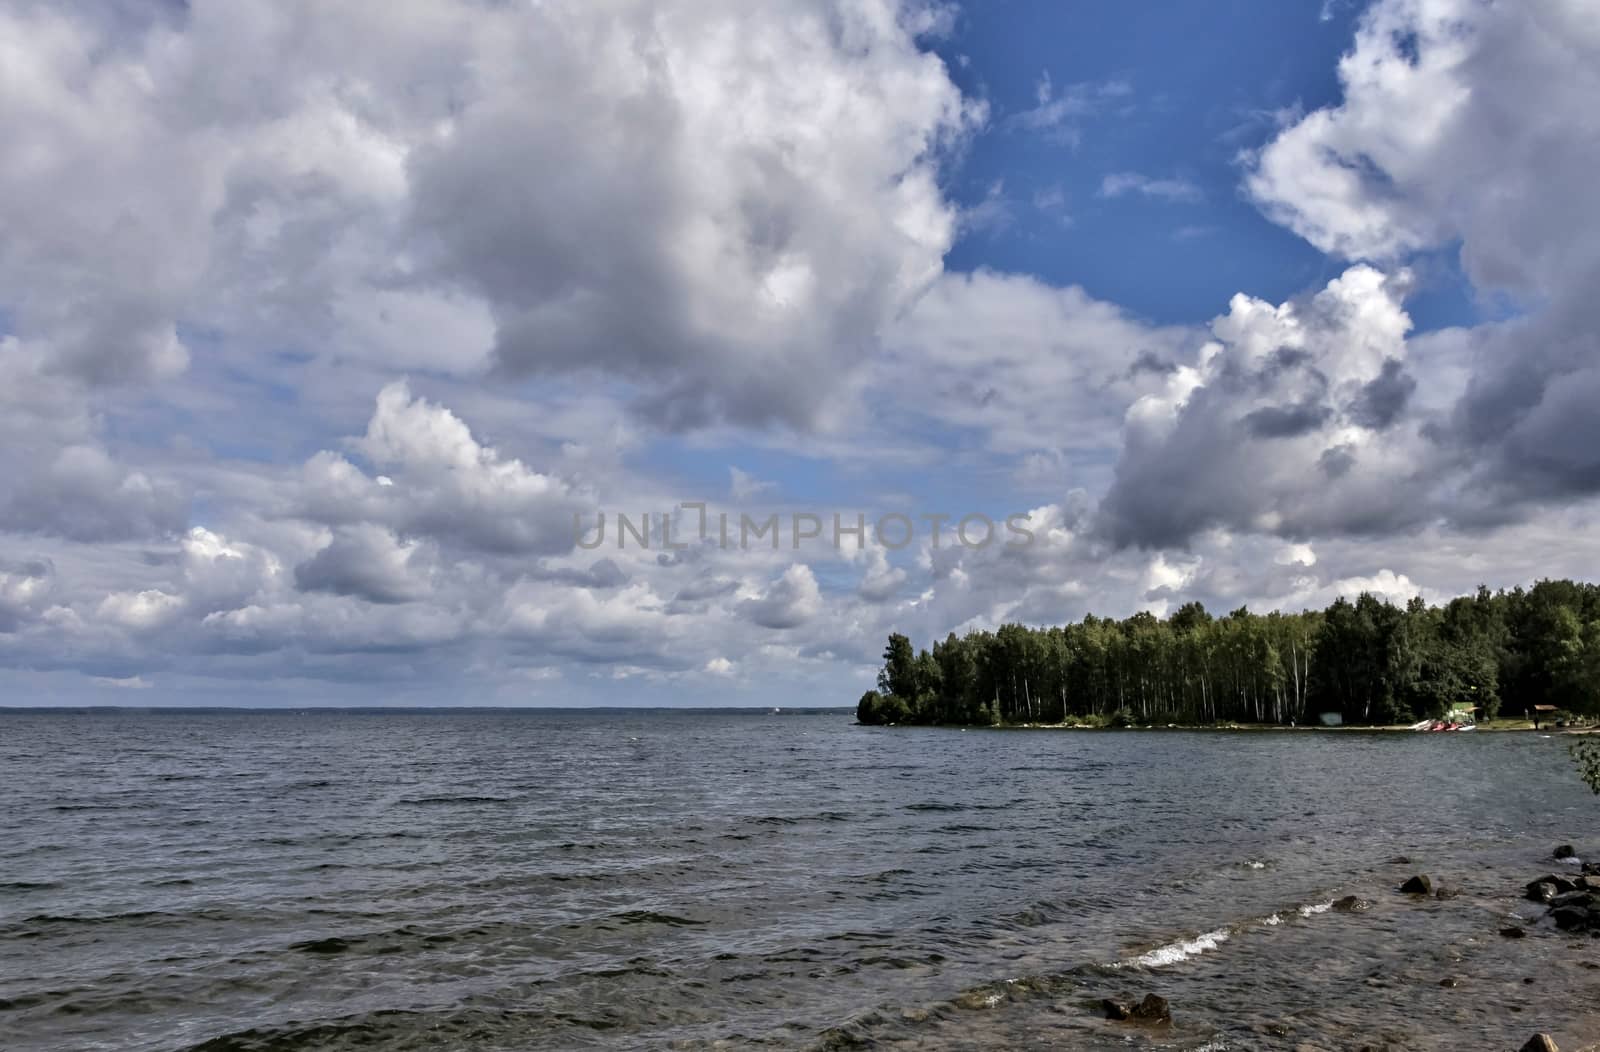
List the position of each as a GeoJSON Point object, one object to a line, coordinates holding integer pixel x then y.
{"type": "Point", "coordinates": [1115, 1009]}
{"type": "Point", "coordinates": [1420, 884]}
{"type": "Point", "coordinates": [1573, 918]}
{"type": "Point", "coordinates": [1153, 1009]}
{"type": "Point", "coordinates": [1548, 887]}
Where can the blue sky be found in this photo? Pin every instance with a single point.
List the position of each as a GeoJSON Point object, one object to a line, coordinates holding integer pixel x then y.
{"type": "Point", "coordinates": [321, 328]}
{"type": "Point", "coordinates": [1187, 114]}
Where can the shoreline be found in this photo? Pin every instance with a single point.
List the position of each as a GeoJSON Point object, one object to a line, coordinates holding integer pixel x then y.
{"type": "Point", "coordinates": [1518, 726]}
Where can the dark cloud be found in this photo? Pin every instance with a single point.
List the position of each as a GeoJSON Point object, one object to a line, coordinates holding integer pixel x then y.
{"type": "Point", "coordinates": [369, 563]}
{"type": "Point", "coordinates": [1286, 421]}
{"type": "Point", "coordinates": [1383, 400]}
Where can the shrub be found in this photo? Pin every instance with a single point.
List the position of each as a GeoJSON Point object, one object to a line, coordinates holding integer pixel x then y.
{"type": "Point", "coordinates": [1587, 753]}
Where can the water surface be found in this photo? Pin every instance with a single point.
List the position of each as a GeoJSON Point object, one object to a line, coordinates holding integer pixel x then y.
{"type": "Point", "coordinates": [514, 880]}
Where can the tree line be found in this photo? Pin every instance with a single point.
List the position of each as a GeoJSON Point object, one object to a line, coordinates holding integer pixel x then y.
{"type": "Point", "coordinates": [1368, 660]}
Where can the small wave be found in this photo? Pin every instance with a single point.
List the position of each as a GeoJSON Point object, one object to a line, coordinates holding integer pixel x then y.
{"type": "Point", "coordinates": [652, 917]}
{"type": "Point", "coordinates": [1178, 952]}
{"type": "Point", "coordinates": [108, 918]}
{"type": "Point", "coordinates": [1184, 949]}
{"type": "Point", "coordinates": [330, 945]}
{"type": "Point", "coordinates": [422, 801]}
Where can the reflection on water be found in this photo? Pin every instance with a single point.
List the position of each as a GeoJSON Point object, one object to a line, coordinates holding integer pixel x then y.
{"type": "Point", "coordinates": [613, 880]}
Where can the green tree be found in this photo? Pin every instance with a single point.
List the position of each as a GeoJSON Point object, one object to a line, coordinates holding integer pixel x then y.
{"type": "Point", "coordinates": [899, 674]}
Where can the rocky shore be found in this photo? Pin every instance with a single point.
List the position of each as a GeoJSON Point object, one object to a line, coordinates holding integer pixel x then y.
{"type": "Point", "coordinates": [1572, 905]}
{"type": "Point", "coordinates": [1569, 895]}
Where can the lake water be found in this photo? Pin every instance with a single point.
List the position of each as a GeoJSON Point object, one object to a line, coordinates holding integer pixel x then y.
{"type": "Point", "coordinates": [571, 880]}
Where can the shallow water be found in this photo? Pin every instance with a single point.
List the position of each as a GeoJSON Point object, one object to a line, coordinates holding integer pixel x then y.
{"type": "Point", "coordinates": [513, 880]}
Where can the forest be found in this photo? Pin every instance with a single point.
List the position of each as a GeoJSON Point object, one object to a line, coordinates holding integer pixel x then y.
{"type": "Point", "coordinates": [1370, 661]}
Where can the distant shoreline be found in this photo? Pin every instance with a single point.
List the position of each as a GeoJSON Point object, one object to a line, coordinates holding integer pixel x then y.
{"type": "Point", "coordinates": [421, 710]}
{"type": "Point", "coordinates": [1257, 728]}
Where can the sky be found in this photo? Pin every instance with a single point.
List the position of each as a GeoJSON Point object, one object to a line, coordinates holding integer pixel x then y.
{"type": "Point", "coordinates": [334, 339]}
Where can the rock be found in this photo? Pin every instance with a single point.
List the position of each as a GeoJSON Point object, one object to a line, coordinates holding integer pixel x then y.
{"type": "Point", "coordinates": [1352, 904]}
{"type": "Point", "coordinates": [1564, 851]}
{"type": "Point", "coordinates": [1153, 1009]}
{"type": "Point", "coordinates": [1572, 918]}
{"type": "Point", "coordinates": [1558, 885]}
{"type": "Point", "coordinates": [1400, 860]}
{"type": "Point", "coordinates": [1540, 1043]}
{"type": "Point", "coordinates": [1115, 1009]}
{"type": "Point", "coordinates": [1447, 893]}
{"type": "Point", "coordinates": [1450, 983]}
{"type": "Point", "coordinates": [1513, 932]}
{"type": "Point", "coordinates": [1586, 899]}
{"type": "Point", "coordinates": [1418, 885]}
{"type": "Point", "coordinates": [1592, 868]}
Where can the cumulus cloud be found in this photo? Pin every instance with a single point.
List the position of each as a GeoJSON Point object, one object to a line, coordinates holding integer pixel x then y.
{"type": "Point", "coordinates": [1473, 124]}
{"type": "Point", "coordinates": [789, 602]}
{"type": "Point", "coordinates": [24, 587]}
{"type": "Point", "coordinates": [881, 581]}
{"type": "Point", "coordinates": [140, 611]}
{"type": "Point", "coordinates": [370, 562]}
{"type": "Point", "coordinates": [1033, 367]}
{"type": "Point", "coordinates": [82, 493]}
{"type": "Point", "coordinates": [1285, 423]}
{"type": "Point", "coordinates": [440, 481]}
{"type": "Point", "coordinates": [725, 201]}
{"type": "Point", "coordinates": [230, 225]}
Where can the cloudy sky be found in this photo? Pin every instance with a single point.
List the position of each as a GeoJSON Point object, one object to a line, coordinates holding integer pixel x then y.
{"type": "Point", "coordinates": [322, 324]}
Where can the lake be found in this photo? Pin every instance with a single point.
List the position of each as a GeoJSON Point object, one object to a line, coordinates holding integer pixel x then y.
{"type": "Point", "coordinates": [627, 879]}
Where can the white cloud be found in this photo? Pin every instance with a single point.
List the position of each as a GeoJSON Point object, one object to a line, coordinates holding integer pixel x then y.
{"type": "Point", "coordinates": [140, 610]}
{"type": "Point", "coordinates": [1291, 421]}
{"type": "Point", "coordinates": [229, 225]}
{"type": "Point", "coordinates": [1175, 191]}
{"type": "Point", "coordinates": [789, 602]}
{"type": "Point", "coordinates": [440, 481]}
{"type": "Point", "coordinates": [743, 486]}
{"type": "Point", "coordinates": [1058, 112]}
{"type": "Point", "coordinates": [1472, 123]}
